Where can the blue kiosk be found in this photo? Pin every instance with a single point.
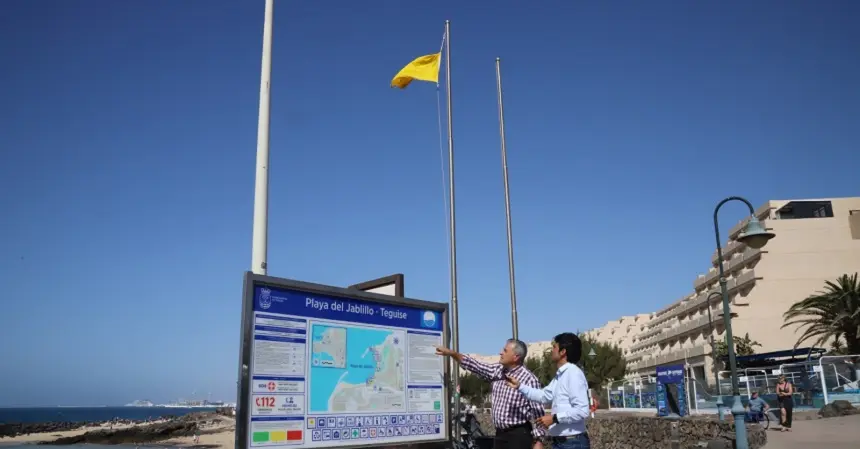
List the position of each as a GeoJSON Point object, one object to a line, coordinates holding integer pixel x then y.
{"type": "Point", "coordinates": [671, 391]}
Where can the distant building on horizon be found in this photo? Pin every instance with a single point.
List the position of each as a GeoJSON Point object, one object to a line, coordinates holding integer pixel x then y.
{"type": "Point", "coordinates": [816, 241]}
{"type": "Point", "coordinates": [535, 350]}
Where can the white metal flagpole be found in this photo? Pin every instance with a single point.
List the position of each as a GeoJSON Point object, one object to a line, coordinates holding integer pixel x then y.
{"type": "Point", "coordinates": [511, 276]}
{"type": "Point", "coordinates": [455, 320]}
{"type": "Point", "coordinates": [261, 188]}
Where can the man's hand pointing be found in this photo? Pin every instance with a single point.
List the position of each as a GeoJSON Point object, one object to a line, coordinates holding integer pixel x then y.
{"type": "Point", "coordinates": [444, 351]}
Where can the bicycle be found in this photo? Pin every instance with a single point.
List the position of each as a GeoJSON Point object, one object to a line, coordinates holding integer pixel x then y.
{"type": "Point", "coordinates": [468, 429]}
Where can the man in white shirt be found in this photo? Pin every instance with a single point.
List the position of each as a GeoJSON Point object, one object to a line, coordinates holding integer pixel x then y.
{"type": "Point", "coordinates": [568, 394]}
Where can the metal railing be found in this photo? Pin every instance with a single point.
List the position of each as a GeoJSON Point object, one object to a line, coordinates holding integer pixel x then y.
{"type": "Point", "coordinates": [840, 378]}
{"type": "Point", "coordinates": [636, 393]}
{"type": "Point", "coordinates": [816, 382]}
{"type": "Point", "coordinates": [641, 394]}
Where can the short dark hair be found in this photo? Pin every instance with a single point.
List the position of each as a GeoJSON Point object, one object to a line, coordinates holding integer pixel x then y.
{"type": "Point", "coordinates": [571, 344]}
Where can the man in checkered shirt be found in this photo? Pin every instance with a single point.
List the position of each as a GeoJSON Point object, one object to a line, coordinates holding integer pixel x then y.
{"type": "Point", "coordinates": [513, 414]}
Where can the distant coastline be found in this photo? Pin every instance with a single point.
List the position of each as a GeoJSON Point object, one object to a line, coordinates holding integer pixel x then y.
{"type": "Point", "coordinates": [211, 428]}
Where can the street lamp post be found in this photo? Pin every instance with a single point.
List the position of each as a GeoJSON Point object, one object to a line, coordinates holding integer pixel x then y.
{"type": "Point", "coordinates": [592, 355]}
{"type": "Point", "coordinates": [754, 236]}
{"type": "Point", "coordinates": [714, 356]}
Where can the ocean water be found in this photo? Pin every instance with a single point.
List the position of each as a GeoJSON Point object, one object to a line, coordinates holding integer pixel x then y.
{"type": "Point", "coordinates": [88, 414]}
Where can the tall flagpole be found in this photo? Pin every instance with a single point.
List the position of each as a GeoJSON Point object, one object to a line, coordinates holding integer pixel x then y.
{"type": "Point", "coordinates": [261, 188]}
{"type": "Point", "coordinates": [455, 323]}
{"type": "Point", "coordinates": [511, 276]}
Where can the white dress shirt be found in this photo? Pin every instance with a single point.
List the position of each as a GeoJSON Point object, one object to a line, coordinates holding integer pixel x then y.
{"type": "Point", "coordinates": [568, 394]}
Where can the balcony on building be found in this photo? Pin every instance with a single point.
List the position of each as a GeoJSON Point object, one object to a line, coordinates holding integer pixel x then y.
{"type": "Point", "coordinates": [817, 241]}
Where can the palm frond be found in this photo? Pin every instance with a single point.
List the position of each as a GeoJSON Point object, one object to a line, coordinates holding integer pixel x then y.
{"type": "Point", "coordinates": [829, 314]}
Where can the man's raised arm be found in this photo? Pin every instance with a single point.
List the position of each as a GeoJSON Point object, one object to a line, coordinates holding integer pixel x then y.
{"type": "Point", "coordinates": [483, 370]}
{"type": "Point", "coordinates": [535, 409]}
{"type": "Point", "coordinates": [534, 393]}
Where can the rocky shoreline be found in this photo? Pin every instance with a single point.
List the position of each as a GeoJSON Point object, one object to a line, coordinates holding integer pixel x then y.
{"type": "Point", "coordinates": [14, 429]}
{"type": "Point", "coordinates": [132, 435]}
{"type": "Point", "coordinates": [121, 431]}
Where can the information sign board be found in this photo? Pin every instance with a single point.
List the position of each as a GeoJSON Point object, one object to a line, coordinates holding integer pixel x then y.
{"type": "Point", "coordinates": [389, 285]}
{"type": "Point", "coordinates": [325, 366]}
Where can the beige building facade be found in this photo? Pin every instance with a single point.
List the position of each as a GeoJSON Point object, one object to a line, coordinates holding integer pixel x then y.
{"type": "Point", "coordinates": [534, 350]}
{"type": "Point", "coordinates": [816, 241]}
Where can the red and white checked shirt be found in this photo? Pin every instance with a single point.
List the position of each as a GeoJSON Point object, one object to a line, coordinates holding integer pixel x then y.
{"type": "Point", "coordinates": [510, 407]}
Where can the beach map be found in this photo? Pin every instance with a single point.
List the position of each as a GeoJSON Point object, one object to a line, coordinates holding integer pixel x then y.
{"type": "Point", "coordinates": [356, 369]}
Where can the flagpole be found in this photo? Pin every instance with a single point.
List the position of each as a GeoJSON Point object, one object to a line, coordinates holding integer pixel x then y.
{"type": "Point", "coordinates": [261, 187]}
{"type": "Point", "coordinates": [511, 276]}
{"type": "Point", "coordinates": [455, 324]}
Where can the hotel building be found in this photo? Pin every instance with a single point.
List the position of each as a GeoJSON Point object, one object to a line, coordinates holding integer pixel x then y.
{"type": "Point", "coordinates": [816, 241]}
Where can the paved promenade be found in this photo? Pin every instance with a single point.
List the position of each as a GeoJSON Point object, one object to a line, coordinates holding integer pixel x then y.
{"type": "Point", "coordinates": [832, 433]}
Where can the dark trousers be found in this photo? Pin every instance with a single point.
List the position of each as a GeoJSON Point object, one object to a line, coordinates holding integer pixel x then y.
{"type": "Point", "coordinates": [518, 437]}
{"type": "Point", "coordinates": [789, 408]}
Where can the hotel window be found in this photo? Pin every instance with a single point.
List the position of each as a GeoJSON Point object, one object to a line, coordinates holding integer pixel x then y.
{"type": "Point", "coordinates": [854, 223]}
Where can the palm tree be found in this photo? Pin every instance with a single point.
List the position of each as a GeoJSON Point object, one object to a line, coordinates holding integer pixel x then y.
{"type": "Point", "coordinates": [830, 315]}
{"type": "Point", "coordinates": [607, 364]}
{"type": "Point", "coordinates": [836, 348]}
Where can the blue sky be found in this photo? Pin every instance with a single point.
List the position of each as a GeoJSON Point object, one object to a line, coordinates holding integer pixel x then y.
{"type": "Point", "coordinates": [128, 149]}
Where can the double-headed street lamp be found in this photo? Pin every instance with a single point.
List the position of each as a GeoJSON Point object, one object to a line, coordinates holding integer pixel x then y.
{"type": "Point", "coordinates": [714, 356]}
{"type": "Point", "coordinates": [754, 236]}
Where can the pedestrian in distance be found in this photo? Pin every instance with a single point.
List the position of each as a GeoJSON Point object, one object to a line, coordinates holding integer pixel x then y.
{"type": "Point", "coordinates": [567, 394]}
{"type": "Point", "coordinates": [513, 414]}
{"type": "Point", "coordinates": [785, 396]}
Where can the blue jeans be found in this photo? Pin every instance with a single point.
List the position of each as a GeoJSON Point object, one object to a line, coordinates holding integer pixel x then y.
{"type": "Point", "coordinates": [578, 442]}
{"type": "Point", "coordinates": [754, 416]}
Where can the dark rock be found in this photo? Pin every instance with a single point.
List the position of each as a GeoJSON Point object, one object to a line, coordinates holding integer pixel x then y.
{"type": "Point", "coordinates": [186, 425]}
{"type": "Point", "coordinates": [828, 411]}
{"type": "Point", "coordinates": [139, 434]}
{"type": "Point", "coordinates": [15, 429]}
{"type": "Point", "coordinates": [719, 444]}
{"type": "Point", "coordinates": [616, 431]}
{"type": "Point", "coordinates": [844, 407]}
{"type": "Point", "coordinates": [837, 408]}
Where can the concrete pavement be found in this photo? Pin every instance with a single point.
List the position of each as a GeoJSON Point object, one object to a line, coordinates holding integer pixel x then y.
{"type": "Point", "coordinates": [832, 433]}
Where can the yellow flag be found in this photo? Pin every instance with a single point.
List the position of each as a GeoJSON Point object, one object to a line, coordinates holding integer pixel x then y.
{"type": "Point", "coordinates": [423, 68]}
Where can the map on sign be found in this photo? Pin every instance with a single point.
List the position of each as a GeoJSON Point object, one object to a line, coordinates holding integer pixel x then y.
{"type": "Point", "coordinates": [329, 346]}
{"type": "Point", "coordinates": [358, 369]}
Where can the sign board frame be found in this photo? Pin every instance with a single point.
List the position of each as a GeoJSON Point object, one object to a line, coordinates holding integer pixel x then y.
{"type": "Point", "coordinates": [244, 387]}
{"type": "Point", "coordinates": [392, 285]}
